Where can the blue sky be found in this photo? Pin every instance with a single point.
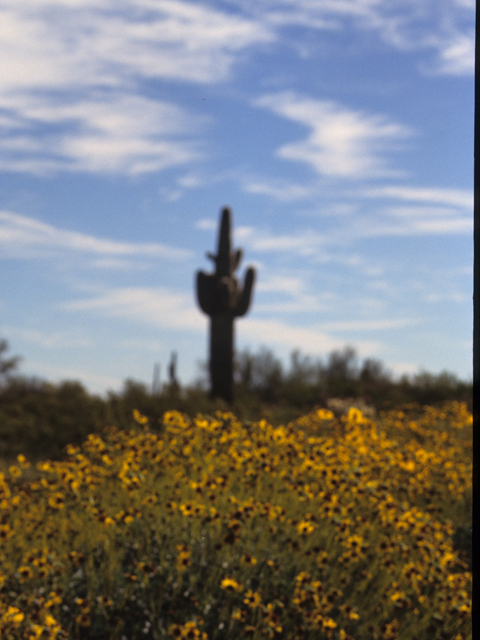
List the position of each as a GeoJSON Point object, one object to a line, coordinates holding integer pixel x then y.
{"type": "Point", "coordinates": [340, 132]}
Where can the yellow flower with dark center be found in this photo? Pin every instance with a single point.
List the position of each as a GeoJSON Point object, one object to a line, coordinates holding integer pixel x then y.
{"type": "Point", "coordinates": [324, 414]}
{"type": "Point", "coordinates": [238, 614]}
{"type": "Point", "coordinates": [25, 573]}
{"type": "Point", "coordinates": [139, 418]}
{"type": "Point", "coordinates": [23, 462]}
{"type": "Point", "coordinates": [15, 471]}
{"type": "Point", "coordinates": [328, 623]}
{"type": "Point", "coordinates": [304, 528]}
{"type": "Point", "coordinates": [247, 558]}
{"type": "Point", "coordinates": [83, 620]}
{"type": "Point", "coordinates": [253, 600]}
{"type": "Point", "coordinates": [187, 509]}
{"type": "Point", "coordinates": [229, 584]}
{"type": "Point", "coordinates": [56, 501]}
{"type": "Point", "coordinates": [183, 558]}
{"type": "Point", "coordinates": [130, 577]}
{"type": "Point", "coordinates": [14, 616]}
{"type": "Point", "coordinates": [6, 531]}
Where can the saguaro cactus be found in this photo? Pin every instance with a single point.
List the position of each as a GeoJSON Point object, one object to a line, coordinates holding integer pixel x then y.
{"type": "Point", "coordinates": [220, 296]}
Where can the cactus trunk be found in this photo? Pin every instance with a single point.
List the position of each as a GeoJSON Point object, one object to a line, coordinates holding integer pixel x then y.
{"type": "Point", "coordinates": [221, 356]}
{"type": "Point", "coordinates": [221, 297]}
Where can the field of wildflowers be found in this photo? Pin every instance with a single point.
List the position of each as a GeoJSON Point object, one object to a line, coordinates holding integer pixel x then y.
{"type": "Point", "coordinates": [211, 528]}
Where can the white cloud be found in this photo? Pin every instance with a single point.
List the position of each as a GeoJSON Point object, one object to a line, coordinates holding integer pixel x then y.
{"type": "Point", "coordinates": [279, 190]}
{"type": "Point", "coordinates": [48, 340]}
{"type": "Point", "coordinates": [445, 226]}
{"type": "Point", "coordinates": [456, 55]}
{"type": "Point", "coordinates": [454, 197]}
{"type": "Point", "coordinates": [404, 368]}
{"type": "Point", "coordinates": [368, 325]}
{"type": "Point", "coordinates": [444, 28]}
{"type": "Point", "coordinates": [103, 133]}
{"type": "Point", "coordinates": [452, 296]}
{"type": "Point", "coordinates": [310, 340]}
{"type": "Point", "coordinates": [418, 219]}
{"type": "Point", "coordinates": [305, 243]}
{"type": "Point", "coordinates": [282, 284]}
{"type": "Point", "coordinates": [59, 43]}
{"type": "Point", "coordinates": [70, 70]}
{"type": "Point", "coordinates": [343, 142]}
{"type": "Point", "coordinates": [165, 309]}
{"type": "Point", "coordinates": [206, 224]}
{"type": "Point", "coordinates": [405, 225]}
{"type": "Point", "coordinates": [21, 236]}
{"type": "Point", "coordinates": [298, 299]}
{"type": "Point", "coordinates": [157, 306]}
{"type": "Point", "coordinates": [97, 383]}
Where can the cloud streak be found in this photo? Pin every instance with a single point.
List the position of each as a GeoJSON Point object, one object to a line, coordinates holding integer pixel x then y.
{"type": "Point", "coordinates": [310, 340]}
{"type": "Point", "coordinates": [342, 143]}
{"type": "Point", "coordinates": [166, 309]}
{"type": "Point", "coordinates": [64, 43]}
{"type": "Point", "coordinates": [443, 29]}
{"type": "Point", "coordinates": [71, 92]}
{"type": "Point", "coordinates": [103, 133]}
{"type": "Point", "coordinates": [24, 237]}
{"type": "Point", "coordinates": [157, 306]}
{"type": "Point", "coordinates": [455, 197]}
{"type": "Point", "coordinates": [72, 89]}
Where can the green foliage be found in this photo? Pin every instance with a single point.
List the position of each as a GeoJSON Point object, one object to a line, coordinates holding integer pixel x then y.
{"type": "Point", "coordinates": [312, 382]}
{"type": "Point", "coordinates": [38, 418]}
{"type": "Point", "coordinates": [6, 365]}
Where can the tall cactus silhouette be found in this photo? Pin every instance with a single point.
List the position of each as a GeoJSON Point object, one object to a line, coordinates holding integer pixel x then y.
{"type": "Point", "coordinates": [220, 296]}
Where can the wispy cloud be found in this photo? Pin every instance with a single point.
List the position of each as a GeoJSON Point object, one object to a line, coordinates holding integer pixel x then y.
{"type": "Point", "coordinates": [71, 82]}
{"type": "Point", "coordinates": [48, 340]}
{"type": "Point", "coordinates": [369, 325]}
{"type": "Point", "coordinates": [456, 54]}
{"type": "Point", "coordinates": [304, 243]}
{"type": "Point", "coordinates": [58, 373]}
{"type": "Point", "coordinates": [455, 197]}
{"type": "Point", "coordinates": [106, 132]}
{"type": "Point", "coordinates": [59, 43]}
{"type": "Point", "coordinates": [442, 29]}
{"type": "Point", "coordinates": [261, 240]}
{"type": "Point", "coordinates": [72, 87]}
{"type": "Point", "coordinates": [166, 309]}
{"type": "Point", "coordinates": [400, 369]}
{"type": "Point", "coordinates": [295, 294]}
{"type": "Point", "coordinates": [159, 307]}
{"type": "Point", "coordinates": [342, 142]}
{"type": "Point", "coordinates": [24, 237]}
{"type": "Point", "coordinates": [418, 220]}
{"type": "Point", "coordinates": [310, 340]}
{"type": "Point", "coordinates": [279, 190]}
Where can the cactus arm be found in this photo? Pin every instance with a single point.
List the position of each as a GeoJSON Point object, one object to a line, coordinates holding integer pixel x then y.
{"type": "Point", "coordinates": [204, 292]}
{"type": "Point", "coordinates": [243, 302]}
{"type": "Point", "coordinates": [235, 258]}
